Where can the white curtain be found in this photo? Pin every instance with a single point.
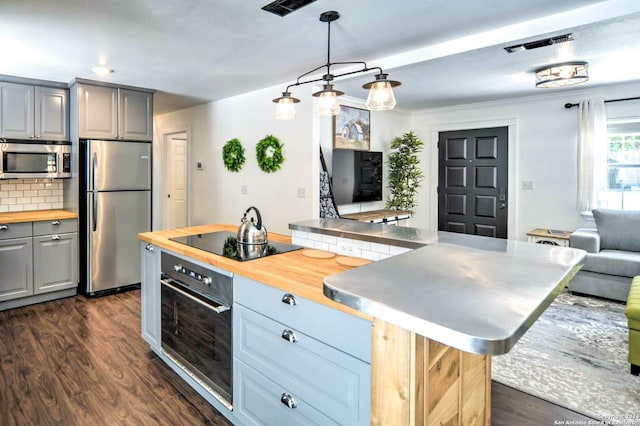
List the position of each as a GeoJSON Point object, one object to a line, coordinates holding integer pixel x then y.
{"type": "Point", "coordinates": [592, 154]}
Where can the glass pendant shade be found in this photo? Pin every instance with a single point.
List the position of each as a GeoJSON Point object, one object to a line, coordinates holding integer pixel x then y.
{"type": "Point", "coordinates": [381, 97]}
{"type": "Point", "coordinates": [285, 106]}
{"type": "Point", "coordinates": [327, 103]}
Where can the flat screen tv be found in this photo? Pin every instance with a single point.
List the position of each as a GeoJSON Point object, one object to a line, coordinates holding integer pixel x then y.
{"type": "Point", "coordinates": [356, 176]}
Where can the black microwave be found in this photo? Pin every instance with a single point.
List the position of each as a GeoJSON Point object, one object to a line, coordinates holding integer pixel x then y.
{"type": "Point", "coordinates": [35, 160]}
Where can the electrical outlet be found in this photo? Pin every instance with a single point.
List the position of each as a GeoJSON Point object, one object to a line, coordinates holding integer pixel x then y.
{"type": "Point", "coordinates": [527, 185]}
{"type": "Point", "coordinates": [301, 193]}
{"type": "Point", "coordinates": [244, 190]}
{"type": "Point", "coordinates": [344, 248]}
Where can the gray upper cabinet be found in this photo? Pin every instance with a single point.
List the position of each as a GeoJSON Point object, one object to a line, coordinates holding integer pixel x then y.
{"type": "Point", "coordinates": [17, 117]}
{"type": "Point", "coordinates": [52, 114]}
{"type": "Point", "coordinates": [136, 111]}
{"type": "Point", "coordinates": [113, 113]}
{"type": "Point", "coordinates": [34, 112]}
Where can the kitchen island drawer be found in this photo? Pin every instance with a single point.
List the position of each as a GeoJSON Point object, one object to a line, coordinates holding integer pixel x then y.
{"type": "Point", "coordinates": [346, 332]}
{"type": "Point", "coordinates": [330, 380]}
{"type": "Point", "coordinates": [15, 230]}
{"type": "Point", "coordinates": [62, 226]}
{"type": "Point", "coordinates": [260, 401]}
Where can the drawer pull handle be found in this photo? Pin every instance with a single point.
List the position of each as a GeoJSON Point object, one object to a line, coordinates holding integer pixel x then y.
{"type": "Point", "coordinates": [149, 247]}
{"type": "Point", "coordinates": [289, 336]}
{"type": "Point", "coordinates": [55, 238]}
{"type": "Point", "coordinates": [288, 400]}
{"type": "Point", "coordinates": [4, 227]}
{"type": "Point", "coordinates": [289, 299]}
{"type": "Point", "coordinates": [55, 223]}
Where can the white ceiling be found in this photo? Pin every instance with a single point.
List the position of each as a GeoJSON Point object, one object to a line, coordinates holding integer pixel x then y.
{"type": "Point", "coordinates": [194, 51]}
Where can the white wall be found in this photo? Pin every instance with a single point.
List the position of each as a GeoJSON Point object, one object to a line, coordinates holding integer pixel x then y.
{"type": "Point", "coordinates": [544, 140]}
{"type": "Point", "coordinates": [215, 192]}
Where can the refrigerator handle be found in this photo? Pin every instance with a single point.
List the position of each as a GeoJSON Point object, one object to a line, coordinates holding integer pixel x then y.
{"type": "Point", "coordinates": [94, 187]}
{"type": "Point", "coordinates": [95, 211]}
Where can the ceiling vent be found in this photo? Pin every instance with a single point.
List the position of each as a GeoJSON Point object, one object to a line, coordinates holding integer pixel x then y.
{"type": "Point", "coordinates": [539, 43]}
{"type": "Point", "coordinates": [285, 7]}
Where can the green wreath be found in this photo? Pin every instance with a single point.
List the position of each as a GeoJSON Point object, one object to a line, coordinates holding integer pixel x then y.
{"type": "Point", "coordinates": [269, 154]}
{"type": "Point", "coordinates": [233, 155]}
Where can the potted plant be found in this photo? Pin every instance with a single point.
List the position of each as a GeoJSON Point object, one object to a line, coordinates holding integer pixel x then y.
{"type": "Point", "coordinates": [404, 172]}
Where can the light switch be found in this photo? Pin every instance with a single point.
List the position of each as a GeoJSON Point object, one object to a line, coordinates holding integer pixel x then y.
{"type": "Point", "coordinates": [301, 193]}
{"type": "Point", "coordinates": [244, 190]}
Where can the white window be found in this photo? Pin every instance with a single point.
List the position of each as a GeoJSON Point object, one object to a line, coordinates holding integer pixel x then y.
{"type": "Point", "coordinates": [623, 166]}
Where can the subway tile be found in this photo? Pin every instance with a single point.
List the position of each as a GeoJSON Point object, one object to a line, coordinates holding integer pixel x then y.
{"type": "Point", "coordinates": [333, 248]}
{"type": "Point", "coordinates": [29, 181]}
{"type": "Point", "coordinates": [370, 255]}
{"type": "Point", "coordinates": [4, 209]}
{"type": "Point", "coordinates": [57, 205]}
{"type": "Point", "coordinates": [362, 245]}
{"type": "Point", "coordinates": [8, 201]}
{"type": "Point", "coordinates": [4, 194]}
{"type": "Point", "coordinates": [44, 206]}
{"type": "Point", "coordinates": [30, 193]}
{"type": "Point", "coordinates": [16, 208]}
{"type": "Point", "coordinates": [380, 248]}
{"type": "Point", "coordinates": [31, 207]}
{"type": "Point", "coordinates": [57, 192]}
{"type": "Point", "coordinates": [394, 250]}
{"type": "Point", "coordinates": [329, 239]}
{"type": "Point", "coordinates": [299, 234]}
{"type": "Point", "coordinates": [321, 246]}
{"type": "Point", "coordinates": [8, 187]}
{"type": "Point", "coordinates": [23, 200]}
{"type": "Point", "coordinates": [53, 199]}
{"type": "Point", "coordinates": [23, 186]}
{"type": "Point", "coordinates": [37, 186]}
{"type": "Point", "coordinates": [16, 194]}
{"type": "Point", "coordinates": [44, 192]}
{"type": "Point", "coordinates": [37, 199]}
{"type": "Point", "coordinates": [302, 242]}
{"type": "Point", "coordinates": [315, 237]}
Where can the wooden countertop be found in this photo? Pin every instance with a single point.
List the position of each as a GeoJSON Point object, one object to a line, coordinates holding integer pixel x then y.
{"type": "Point", "coordinates": [543, 232]}
{"type": "Point", "coordinates": [291, 272]}
{"type": "Point", "coordinates": [36, 216]}
{"type": "Point", "coordinates": [377, 215]}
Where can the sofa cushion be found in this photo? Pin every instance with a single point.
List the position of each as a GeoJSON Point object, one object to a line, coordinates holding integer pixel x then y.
{"type": "Point", "coordinates": [619, 230]}
{"type": "Point", "coordinates": [614, 262]}
{"type": "Point", "coordinates": [632, 309]}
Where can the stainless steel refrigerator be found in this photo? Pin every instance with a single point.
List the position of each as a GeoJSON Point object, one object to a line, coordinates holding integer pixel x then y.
{"type": "Point", "coordinates": [115, 205]}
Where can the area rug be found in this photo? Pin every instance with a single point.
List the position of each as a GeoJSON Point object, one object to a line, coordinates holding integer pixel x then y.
{"type": "Point", "coordinates": [575, 355]}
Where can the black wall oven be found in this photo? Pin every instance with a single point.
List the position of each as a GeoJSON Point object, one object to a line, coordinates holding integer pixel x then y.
{"type": "Point", "coordinates": [196, 323]}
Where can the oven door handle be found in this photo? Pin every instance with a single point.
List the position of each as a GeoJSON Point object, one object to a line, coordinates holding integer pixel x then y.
{"type": "Point", "coordinates": [217, 309]}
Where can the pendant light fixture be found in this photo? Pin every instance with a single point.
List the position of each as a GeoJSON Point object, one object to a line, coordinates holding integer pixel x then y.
{"type": "Point", "coordinates": [381, 97]}
{"type": "Point", "coordinates": [564, 74]}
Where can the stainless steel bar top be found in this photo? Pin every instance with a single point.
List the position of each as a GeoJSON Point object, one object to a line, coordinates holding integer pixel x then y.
{"type": "Point", "coordinates": [476, 294]}
{"type": "Point", "coordinates": [374, 232]}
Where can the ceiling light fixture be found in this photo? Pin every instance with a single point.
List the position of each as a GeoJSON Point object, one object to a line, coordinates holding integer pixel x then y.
{"type": "Point", "coordinates": [380, 97]}
{"type": "Point", "coordinates": [564, 74]}
{"type": "Point", "coordinates": [102, 70]}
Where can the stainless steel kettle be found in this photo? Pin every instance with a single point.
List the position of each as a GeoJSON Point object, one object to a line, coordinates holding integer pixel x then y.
{"type": "Point", "coordinates": [252, 236]}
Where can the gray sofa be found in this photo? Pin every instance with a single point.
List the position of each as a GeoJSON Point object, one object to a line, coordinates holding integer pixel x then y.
{"type": "Point", "coordinates": [613, 254]}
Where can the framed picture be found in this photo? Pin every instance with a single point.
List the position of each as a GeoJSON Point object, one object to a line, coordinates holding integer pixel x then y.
{"type": "Point", "coordinates": [352, 129]}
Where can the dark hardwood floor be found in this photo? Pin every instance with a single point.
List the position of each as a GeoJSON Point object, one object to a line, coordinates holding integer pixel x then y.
{"type": "Point", "coordinates": [81, 361]}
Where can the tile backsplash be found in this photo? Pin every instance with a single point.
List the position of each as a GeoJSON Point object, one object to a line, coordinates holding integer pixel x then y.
{"type": "Point", "coordinates": [18, 195]}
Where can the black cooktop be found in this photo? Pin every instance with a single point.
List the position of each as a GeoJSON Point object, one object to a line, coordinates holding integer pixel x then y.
{"type": "Point", "coordinates": [224, 243]}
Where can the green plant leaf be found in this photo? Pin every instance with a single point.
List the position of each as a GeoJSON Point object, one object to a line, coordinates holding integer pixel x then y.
{"type": "Point", "coordinates": [269, 154]}
{"type": "Point", "coordinates": [233, 155]}
{"type": "Point", "coordinates": [404, 172]}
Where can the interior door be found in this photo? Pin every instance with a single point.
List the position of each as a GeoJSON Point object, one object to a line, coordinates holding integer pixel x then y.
{"type": "Point", "coordinates": [176, 181]}
{"type": "Point", "coordinates": [472, 181]}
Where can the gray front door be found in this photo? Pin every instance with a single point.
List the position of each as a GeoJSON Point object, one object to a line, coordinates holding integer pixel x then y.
{"type": "Point", "coordinates": [472, 181]}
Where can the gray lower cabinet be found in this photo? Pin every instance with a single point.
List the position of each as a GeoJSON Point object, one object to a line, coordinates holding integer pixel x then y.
{"type": "Point", "coordinates": [16, 268]}
{"type": "Point", "coordinates": [34, 260]}
{"type": "Point", "coordinates": [296, 361]}
{"type": "Point", "coordinates": [150, 294]}
{"type": "Point", "coordinates": [55, 262]}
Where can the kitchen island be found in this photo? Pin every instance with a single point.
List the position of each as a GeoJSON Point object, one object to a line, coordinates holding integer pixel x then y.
{"type": "Point", "coordinates": [420, 365]}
